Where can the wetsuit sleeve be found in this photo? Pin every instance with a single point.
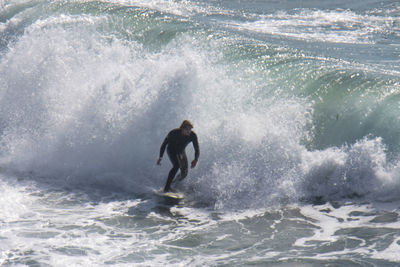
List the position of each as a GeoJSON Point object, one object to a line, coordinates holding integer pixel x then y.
{"type": "Point", "coordinates": [196, 147]}
{"type": "Point", "coordinates": [163, 146]}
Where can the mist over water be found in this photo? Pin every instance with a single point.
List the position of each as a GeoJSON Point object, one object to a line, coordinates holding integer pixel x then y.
{"type": "Point", "coordinates": [292, 105]}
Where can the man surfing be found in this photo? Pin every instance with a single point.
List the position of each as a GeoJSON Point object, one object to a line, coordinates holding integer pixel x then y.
{"type": "Point", "coordinates": [176, 142]}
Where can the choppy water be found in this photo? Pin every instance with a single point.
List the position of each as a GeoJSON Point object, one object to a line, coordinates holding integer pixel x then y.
{"type": "Point", "coordinates": [296, 105]}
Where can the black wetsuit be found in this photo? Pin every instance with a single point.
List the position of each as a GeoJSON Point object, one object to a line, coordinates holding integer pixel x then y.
{"type": "Point", "coordinates": [177, 143]}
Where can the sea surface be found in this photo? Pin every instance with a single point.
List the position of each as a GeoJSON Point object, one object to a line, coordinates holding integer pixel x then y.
{"type": "Point", "coordinates": [296, 104]}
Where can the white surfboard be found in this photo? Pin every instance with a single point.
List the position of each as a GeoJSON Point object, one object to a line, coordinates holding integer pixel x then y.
{"type": "Point", "coordinates": [173, 195]}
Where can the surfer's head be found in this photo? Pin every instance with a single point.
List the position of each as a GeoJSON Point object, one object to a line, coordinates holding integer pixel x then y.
{"type": "Point", "coordinates": [186, 127]}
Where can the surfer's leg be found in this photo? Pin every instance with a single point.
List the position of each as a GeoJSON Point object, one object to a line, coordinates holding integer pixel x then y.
{"type": "Point", "coordinates": [171, 176]}
{"type": "Point", "coordinates": [174, 160]}
{"type": "Point", "coordinates": [183, 164]}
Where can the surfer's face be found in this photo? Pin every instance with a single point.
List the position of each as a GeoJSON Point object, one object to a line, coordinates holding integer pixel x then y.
{"type": "Point", "coordinates": [186, 131]}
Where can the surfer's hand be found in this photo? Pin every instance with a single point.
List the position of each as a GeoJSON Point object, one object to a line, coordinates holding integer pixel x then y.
{"type": "Point", "coordinates": [159, 161]}
{"type": "Point", "coordinates": [194, 162]}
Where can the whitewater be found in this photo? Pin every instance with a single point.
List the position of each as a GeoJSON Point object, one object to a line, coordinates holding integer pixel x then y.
{"type": "Point", "coordinates": [296, 105]}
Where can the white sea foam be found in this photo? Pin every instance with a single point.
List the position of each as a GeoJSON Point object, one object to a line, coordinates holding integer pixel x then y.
{"type": "Point", "coordinates": [390, 253]}
{"type": "Point", "coordinates": [339, 26]}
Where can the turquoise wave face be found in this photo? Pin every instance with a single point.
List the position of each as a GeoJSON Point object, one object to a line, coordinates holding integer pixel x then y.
{"type": "Point", "coordinates": [287, 104]}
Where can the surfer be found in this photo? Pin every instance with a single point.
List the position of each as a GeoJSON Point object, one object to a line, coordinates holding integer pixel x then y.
{"type": "Point", "coordinates": [176, 142]}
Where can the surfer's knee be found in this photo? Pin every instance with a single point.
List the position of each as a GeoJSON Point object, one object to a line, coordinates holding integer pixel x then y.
{"type": "Point", "coordinates": [173, 171]}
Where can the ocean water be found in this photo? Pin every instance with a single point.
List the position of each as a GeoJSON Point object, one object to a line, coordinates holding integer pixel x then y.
{"type": "Point", "coordinates": [296, 105]}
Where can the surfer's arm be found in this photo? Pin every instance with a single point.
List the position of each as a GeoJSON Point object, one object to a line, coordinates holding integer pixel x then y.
{"type": "Point", "coordinates": [196, 148]}
{"type": "Point", "coordinates": [162, 148]}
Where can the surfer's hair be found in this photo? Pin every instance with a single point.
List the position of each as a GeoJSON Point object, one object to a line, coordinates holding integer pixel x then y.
{"type": "Point", "coordinates": [186, 124]}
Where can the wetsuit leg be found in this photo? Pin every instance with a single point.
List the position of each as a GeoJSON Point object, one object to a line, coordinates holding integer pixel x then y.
{"type": "Point", "coordinates": [183, 164]}
{"type": "Point", "coordinates": [175, 167]}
